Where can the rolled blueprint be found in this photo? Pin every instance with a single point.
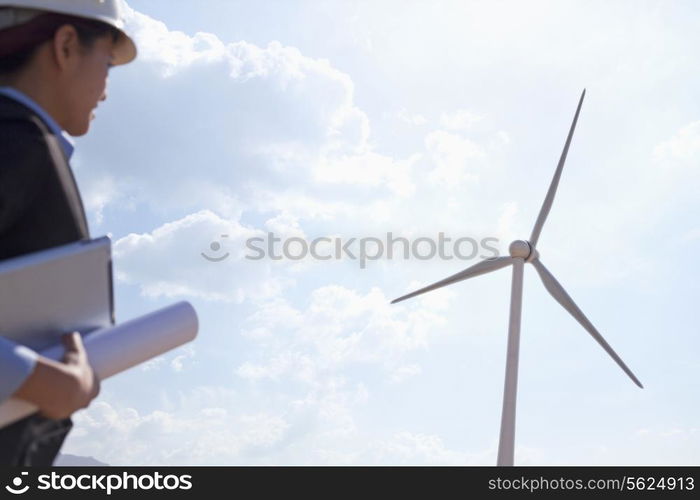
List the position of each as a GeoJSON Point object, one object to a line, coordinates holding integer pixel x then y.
{"type": "Point", "coordinates": [115, 349]}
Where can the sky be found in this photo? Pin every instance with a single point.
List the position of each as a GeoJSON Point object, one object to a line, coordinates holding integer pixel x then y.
{"type": "Point", "coordinates": [340, 119]}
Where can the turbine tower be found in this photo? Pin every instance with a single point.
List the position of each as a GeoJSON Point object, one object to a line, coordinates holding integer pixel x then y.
{"type": "Point", "coordinates": [522, 252]}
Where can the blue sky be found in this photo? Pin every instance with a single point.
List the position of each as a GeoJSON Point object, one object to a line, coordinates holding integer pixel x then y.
{"type": "Point", "coordinates": [354, 119]}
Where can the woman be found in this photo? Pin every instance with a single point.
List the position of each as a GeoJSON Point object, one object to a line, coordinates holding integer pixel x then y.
{"type": "Point", "coordinates": [54, 59]}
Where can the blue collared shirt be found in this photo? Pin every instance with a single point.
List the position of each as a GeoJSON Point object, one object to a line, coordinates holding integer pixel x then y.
{"type": "Point", "coordinates": [17, 362]}
{"type": "Point", "coordinates": [63, 138]}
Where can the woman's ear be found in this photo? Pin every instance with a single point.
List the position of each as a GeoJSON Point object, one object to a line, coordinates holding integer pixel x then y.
{"type": "Point", "coordinates": [66, 47]}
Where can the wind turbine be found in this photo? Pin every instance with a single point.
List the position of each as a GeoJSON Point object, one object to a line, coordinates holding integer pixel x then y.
{"type": "Point", "coordinates": [522, 252]}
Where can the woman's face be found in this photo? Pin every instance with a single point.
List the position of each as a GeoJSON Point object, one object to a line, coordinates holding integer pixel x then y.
{"type": "Point", "coordinates": [88, 85]}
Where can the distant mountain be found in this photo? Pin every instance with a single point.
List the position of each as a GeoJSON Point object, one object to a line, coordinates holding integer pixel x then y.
{"type": "Point", "coordinates": [64, 460]}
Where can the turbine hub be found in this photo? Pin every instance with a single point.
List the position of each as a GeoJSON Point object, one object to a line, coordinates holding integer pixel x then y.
{"type": "Point", "coordinates": [520, 248]}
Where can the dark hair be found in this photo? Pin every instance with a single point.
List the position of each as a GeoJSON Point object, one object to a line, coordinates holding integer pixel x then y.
{"type": "Point", "coordinates": [14, 62]}
{"type": "Point", "coordinates": [29, 36]}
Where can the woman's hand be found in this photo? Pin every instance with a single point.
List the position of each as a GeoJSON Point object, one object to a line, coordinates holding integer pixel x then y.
{"type": "Point", "coordinates": [61, 388]}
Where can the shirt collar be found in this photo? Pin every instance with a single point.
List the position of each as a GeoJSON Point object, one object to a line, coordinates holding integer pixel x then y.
{"type": "Point", "coordinates": [64, 139]}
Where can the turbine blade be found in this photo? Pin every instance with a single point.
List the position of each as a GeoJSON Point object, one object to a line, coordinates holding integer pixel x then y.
{"type": "Point", "coordinates": [483, 267]}
{"type": "Point", "coordinates": [560, 295]}
{"type": "Point", "coordinates": [549, 199]}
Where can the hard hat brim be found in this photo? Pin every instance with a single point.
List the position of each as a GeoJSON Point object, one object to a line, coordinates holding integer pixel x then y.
{"type": "Point", "coordinates": [107, 11]}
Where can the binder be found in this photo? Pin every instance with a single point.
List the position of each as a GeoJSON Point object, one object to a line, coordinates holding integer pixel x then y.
{"type": "Point", "coordinates": [60, 290]}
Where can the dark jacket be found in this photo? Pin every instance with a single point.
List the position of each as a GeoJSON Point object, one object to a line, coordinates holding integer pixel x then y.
{"type": "Point", "coordinates": [40, 206]}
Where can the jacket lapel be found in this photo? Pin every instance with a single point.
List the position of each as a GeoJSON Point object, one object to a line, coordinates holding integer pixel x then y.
{"type": "Point", "coordinates": [9, 108]}
{"type": "Point", "coordinates": [67, 179]}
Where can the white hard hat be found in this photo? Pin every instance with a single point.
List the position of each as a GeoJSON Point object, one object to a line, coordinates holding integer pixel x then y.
{"type": "Point", "coordinates": [106, 11]}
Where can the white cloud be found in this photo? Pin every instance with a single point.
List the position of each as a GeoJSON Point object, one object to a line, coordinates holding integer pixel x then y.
{"type": "Point", "coordinates": [460, 120]}
{"type": "Point", "coordinates": [172, 260]}
{"type": "Point", "coordinates": [683, 147]}
{"type": "Point", "coordinates": [280, 365]}
{"type": "Point", "coordinates": [208, 435]}
{"type": "Point", "coordinates": [368, 169]}
{"type": "Point", "coordinates": [691, 235]}
{"type": "Point", "coordinates": [505, 227]}
{"type": "Point", "coordinates": [415, 448]}
{"type": "Point", "coordinates": [171, 50]}
{"type": "Point", "coordinates": [339, 328]}
{"type": "Point", "coordinates": [206, 425]}
{"type": "Point", "coordinates": [101, 191]}
{"type": "Point", "coordinates": [406, 447]}
{"type": "Point", "coordinates": [412, 118]}
{"type": "Point", "coordinates": [456, 159]}
{"type": "Point", "coordinates": [253, 118]}
{"type": "Point", "coordinates": [261, 130]}
{"type": "Point", "coordinates": [666, 444]}
{"type": "Point", "coordinates": [404, 372]}
{"type": "Point", "coordinates": [285, 225]}
{"type": "Point", "coordinates": [153, 364]}
{"type": "Point", "coordinates": [675, 160]}
{"type": "Point", "coordinates": [179, 362]}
